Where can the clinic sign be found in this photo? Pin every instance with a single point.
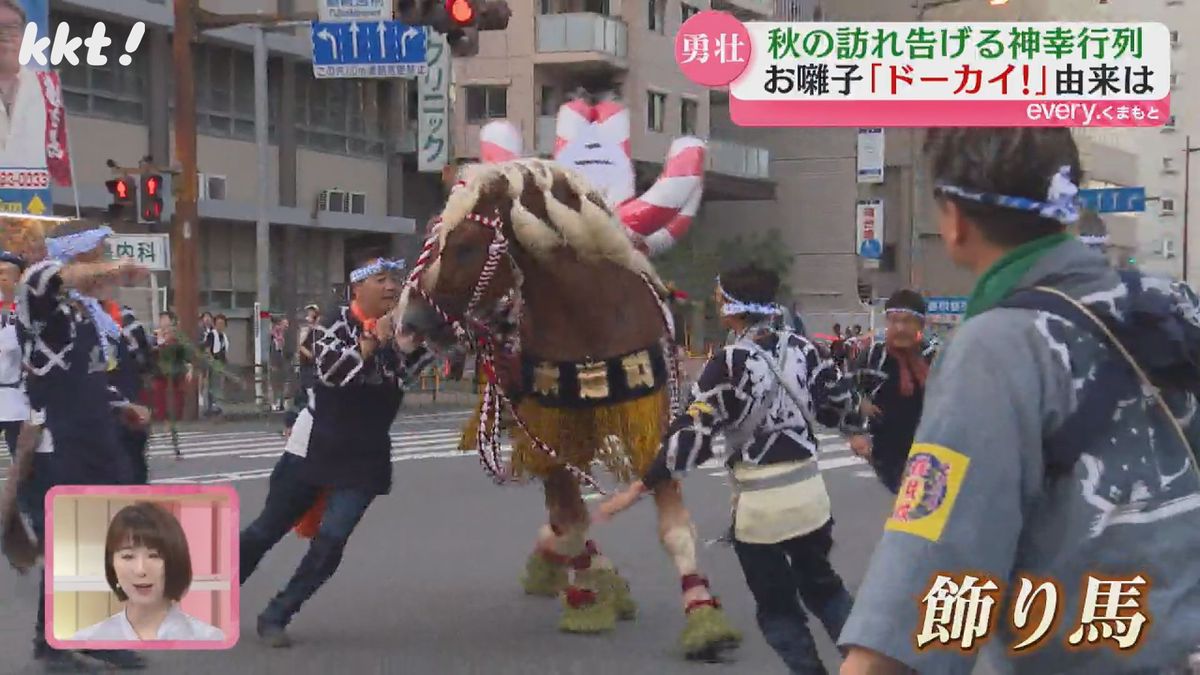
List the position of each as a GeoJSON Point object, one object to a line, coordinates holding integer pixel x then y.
{"type": "Point", "coordinates": [433, 111]}
{"type": "Point", "coordinates": [152, 251]}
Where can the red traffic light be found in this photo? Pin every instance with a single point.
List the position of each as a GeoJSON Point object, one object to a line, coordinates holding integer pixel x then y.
{"type": "Point", "coordinates": [121, 189]}
{"type": "Point", "coordinates": [461, 12]}
{"type": "Point", "coordinates": [153, 185]}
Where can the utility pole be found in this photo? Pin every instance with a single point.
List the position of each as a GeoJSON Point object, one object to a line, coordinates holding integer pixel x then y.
{"type": "Point", "coordinates": [184, 272]}
{"type": "Point", "coordinates": [1187, 193]}
{"type": "Point", "coordinates": [262, 227]}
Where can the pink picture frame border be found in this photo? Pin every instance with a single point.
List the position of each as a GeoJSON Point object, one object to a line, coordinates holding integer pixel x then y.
{"type": "Point", "coordinates": [232, 634]}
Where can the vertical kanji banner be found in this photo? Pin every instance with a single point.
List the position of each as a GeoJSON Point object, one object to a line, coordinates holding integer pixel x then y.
{"type": "Point", "coordinates": [24, 113]}
{"type": "Point", "coordinates": [932, 74]}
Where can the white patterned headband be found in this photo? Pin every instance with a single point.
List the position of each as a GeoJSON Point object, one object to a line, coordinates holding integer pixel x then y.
{"type": "Point", "coordinates": [1060, 201]}
{"type": "Point", "coordinates": [733, 306]}
{"type": "Point", "coordinates": [904, 310]}
{"type": "Point", "coordinates": [377, 266]}
{"type": "Point", "coordinates": [68, 246]}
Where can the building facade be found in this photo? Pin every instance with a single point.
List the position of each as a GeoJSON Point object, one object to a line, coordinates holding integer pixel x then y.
{"type": "Point", "coordinates": [347, 140]}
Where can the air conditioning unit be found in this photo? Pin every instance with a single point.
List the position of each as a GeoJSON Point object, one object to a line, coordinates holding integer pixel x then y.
{"type": "Point", "coordinates": [1168, 164]}
{"type": "Point", "coordinates": [1168, 207]}
{"type": "Point", "coordinates": [1168, 248]}
{"type": "Point", "coordinates": [210, 186]}
{"type": "Point", "coordinates": [341, 201]}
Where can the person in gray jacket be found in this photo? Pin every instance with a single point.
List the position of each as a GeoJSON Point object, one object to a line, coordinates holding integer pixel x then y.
{"type": "Point", "coordinates": [1045, 464]}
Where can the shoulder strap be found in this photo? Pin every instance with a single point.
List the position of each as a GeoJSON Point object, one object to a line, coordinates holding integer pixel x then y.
{"type": "Point", "coordinates": [802, 401]}
{"type": "Point", "coordinates": [1103, 395]}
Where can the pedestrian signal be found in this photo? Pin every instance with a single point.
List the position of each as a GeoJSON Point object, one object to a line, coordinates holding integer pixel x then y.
{"type": "Point", "coordinates": [150, 198]}
{"type": "Point", "coordinates": [123, 196]}
{"type": "Point", "coordinates": [864, 291]}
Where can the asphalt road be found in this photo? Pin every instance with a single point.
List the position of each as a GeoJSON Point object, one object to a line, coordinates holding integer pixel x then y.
{"type": "Point", "coordinates": [429, 582]}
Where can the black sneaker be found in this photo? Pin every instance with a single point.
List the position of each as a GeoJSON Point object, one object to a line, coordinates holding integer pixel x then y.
{"type": "Point", "coordinates": [273, 634]}
{"type": "Point", "coordinates": [120, 659]}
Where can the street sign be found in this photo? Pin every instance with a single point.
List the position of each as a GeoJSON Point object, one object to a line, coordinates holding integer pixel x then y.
{"type": "Point", "coordinates": [355, 10]}
{"type": "Point", "coordinates": [433, 123]}
{"type": "Point", "coordinates": [152, 251]}
{"type": "Point", "coordinates": [1114, 200]}
{"type": "Point", "coordinates": [947, 305]}
{"type": "Point", "coordinates": [367, 49]}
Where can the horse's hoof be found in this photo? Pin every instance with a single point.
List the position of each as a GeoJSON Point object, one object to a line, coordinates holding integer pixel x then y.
{"type": "Point", "coordinates": [615, 591]}
{"type": "Point", "coordinates": [596, 617]}
{"type": "Point", "coordinates": [707, 635]}
{"type": "Point", "coordinates": [542, 577]}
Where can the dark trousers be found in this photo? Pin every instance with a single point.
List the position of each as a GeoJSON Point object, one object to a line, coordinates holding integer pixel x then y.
{"type": "Point", "coordinates": [38, 484]}
{"type": "Point", "coordinates": [780, 576]}
{"type": "Point", "coordinates": [288, 498]}
{"type": "Point", "coordinates": [134, 443]}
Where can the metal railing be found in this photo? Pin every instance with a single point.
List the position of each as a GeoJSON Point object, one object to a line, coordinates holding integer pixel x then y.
{"type": "Point", "coordinates": [735, 159]}
{"type": "Point", "coordinates": [582, 32]}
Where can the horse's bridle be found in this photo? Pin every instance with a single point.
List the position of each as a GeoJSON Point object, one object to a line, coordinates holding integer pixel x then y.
{"type": "Point", "coordinates": [465, 327]}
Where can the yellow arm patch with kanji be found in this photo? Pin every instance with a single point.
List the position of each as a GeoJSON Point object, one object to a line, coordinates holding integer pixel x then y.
{"type": "Point", "coordinates": [932, 480]}
{"type": "Point", "coordinates": [698, 408]}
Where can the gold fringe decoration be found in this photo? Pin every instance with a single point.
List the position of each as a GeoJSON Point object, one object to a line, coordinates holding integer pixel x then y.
{"type": "Point", "coordinates": [578, 436]}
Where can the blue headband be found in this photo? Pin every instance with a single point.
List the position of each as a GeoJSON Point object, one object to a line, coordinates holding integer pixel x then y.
{"type": "Point", "coordinates": [377, 266]}
{"type": "Point", "coordinates": [733, 306]}
{"type": "Point", "coordinates": [12, 259]}
{"type": "Point", "coordinates": [68, 246]}
{"type": "Point", "coordinates": [1060, 201]}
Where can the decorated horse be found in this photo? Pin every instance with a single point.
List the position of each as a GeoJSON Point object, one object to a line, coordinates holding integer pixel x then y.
{"type": "Point", "coordinates": [589, 371]}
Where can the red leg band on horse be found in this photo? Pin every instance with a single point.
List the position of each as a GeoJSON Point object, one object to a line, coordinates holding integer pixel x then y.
{"type": "Point", "coordinates": [580, 597]}
{"type": "Point", "coordinates": [691, 581]}
{"type": "Point", "coordinates": [555, 558]}
{"type": "Point", "coordinates": [707, 602]}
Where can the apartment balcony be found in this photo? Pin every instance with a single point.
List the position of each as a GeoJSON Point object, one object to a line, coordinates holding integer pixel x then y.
{"type": "Point", "coordinates": [737, 160]}
{"type": "Point", "coordinates": [582, 42]}
{"type": "Point", "coordinates": [737, 172]}
{"type": "Point", "coordinates": [747, 10]}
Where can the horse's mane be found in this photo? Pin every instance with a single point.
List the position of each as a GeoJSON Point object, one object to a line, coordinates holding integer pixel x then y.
{"type": "Point", "coordinates": [552, 207]}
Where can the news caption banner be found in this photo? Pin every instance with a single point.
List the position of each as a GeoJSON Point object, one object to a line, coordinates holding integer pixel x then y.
{"type": "Point", "coordinates": [932, 74]}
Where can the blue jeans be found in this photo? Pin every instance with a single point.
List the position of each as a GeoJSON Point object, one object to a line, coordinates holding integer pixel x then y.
{"type": "Point", "coordinates": [782, 574]}
{"type": "Point", "coordinates": [288, 498]}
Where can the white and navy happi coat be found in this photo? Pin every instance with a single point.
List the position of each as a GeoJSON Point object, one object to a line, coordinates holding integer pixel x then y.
{"type": "Point", "coordinates": [739, 394]}
{"type": "Point", "coordinates": [68, 373]}
{"type": "Point", "coordinates": [354, 403]}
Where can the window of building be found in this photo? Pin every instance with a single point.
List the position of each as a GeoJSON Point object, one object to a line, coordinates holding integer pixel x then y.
{"type": "Point", "coordinates": [486, 103]}
{"type": "Point", "coordinates": [549, 103]}
{"type": "Point", "coordinates": [1168, 205]}
{"type": "Point", "coordinates": [656, 106]}
{"type": "Point", "coordinates": [341, 116]}
{"type": "Point", "coordinates": [112, 91]}
{"type": "Point", "coordinates": [225, 92]}
{"type": "Point", "coordinates": [689, 115]}
{"type": "Point", "coordinates": [686, 11]}
{"type": "Point", "coordinates": [657, 15]}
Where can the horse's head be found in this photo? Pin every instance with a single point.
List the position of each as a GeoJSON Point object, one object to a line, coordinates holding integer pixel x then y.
{"type": "Point", "coordinates": [465, 266]}
{"type": "Point", "coordinates": [500, 218]}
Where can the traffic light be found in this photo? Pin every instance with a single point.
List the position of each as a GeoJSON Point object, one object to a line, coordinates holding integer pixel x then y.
{"type": "Point", "coordinates": [461, 12]}
{"type": "Point", "coordinates": [150, 202]}
{"type": "Point", "coordinates": [864, 291]}
{"type": "Point", "coordinates": [123, 196]}
{"type": "Point", "coordinates": [459, 20]}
